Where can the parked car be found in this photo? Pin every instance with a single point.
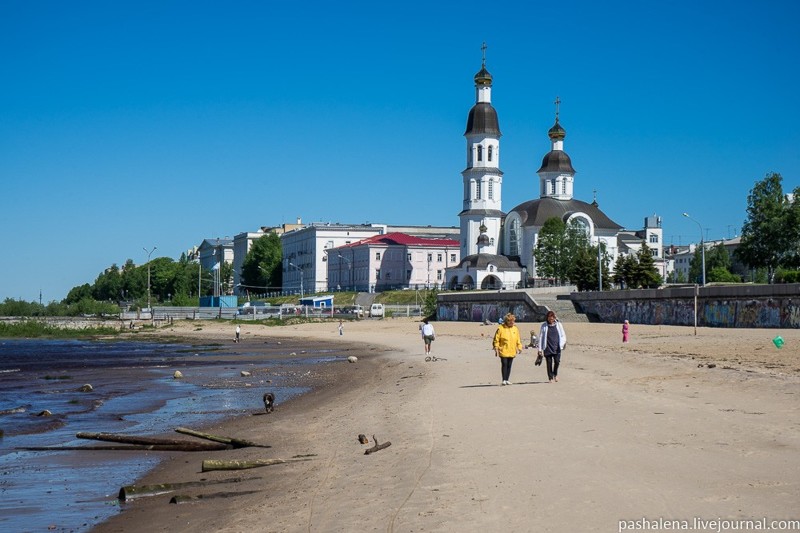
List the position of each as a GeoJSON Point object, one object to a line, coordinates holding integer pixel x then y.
{"type": "Point", "coordinates": [376, 310]}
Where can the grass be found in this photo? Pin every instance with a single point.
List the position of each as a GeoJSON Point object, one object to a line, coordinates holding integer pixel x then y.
{"type": "Point", "coordinates": [36, 328]}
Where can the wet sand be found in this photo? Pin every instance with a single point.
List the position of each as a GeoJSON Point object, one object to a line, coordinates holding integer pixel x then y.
{"type": "Point", "coordinates": [669, 426]}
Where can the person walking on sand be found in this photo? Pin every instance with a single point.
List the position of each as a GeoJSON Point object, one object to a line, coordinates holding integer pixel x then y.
{"type": "Point", "coordinates": [238, 332]}
{"type": "Point", "coordinates": [552, 340]}
{"type": "Point", "coordinates": [507, 344]}
{"type": "Point", "coordinates": [428, 335]}
{"type": "Point", "coordinates": [341, 328]}
{"type": "Point", "coordinates": [625, 328]}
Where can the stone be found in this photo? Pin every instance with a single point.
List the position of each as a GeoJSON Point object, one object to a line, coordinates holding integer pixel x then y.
{"type": "Point", "coordinates": [352, 359]}
{"type": "Point", "coordinates": [86, 388]}
{"type": "Point", "coordinates": [245, 373]}
{"type": "Point", "coordinates": [177, 375]}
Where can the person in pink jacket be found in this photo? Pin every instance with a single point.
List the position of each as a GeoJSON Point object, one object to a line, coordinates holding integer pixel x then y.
{"type": "Point", "coordinates": [625, 328]}
{"type": "Point", "coordinates": [507, 344]}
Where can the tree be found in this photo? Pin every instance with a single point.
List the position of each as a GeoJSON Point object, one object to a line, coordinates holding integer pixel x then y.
{"type": "Point", "coordinates": [644, 272]}
{"type": "Point", "coordinates": [584, 270]}
{"type": "Point", "coordinates": [771, 233]}
{"type": "Point", "coordinates": [623, 271]}
{"type": "Point", "coordinates": [261, 267]}
{"type": "Point", "coordinates": [549, 249]}
{"type": "Point", "coordinates": [558, 247]}
{"type": "Point", "coordinates": [429, 303]}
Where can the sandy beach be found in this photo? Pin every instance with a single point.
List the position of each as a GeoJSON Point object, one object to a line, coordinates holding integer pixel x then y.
{"type": "Point", "coordinates": [672, 426]}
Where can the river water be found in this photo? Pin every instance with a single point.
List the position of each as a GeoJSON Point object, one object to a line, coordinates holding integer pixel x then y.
{"type": "Point", "coordinates": [133, 391]}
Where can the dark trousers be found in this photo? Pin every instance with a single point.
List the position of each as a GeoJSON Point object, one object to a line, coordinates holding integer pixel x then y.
{"type": "Point", "coordinates": [553, 360]}
{"type": "Point", "coordinates": [505, 367]}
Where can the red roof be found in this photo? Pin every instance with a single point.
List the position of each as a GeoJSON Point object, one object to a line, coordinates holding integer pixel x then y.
{"type": "Point", "coordinates": [404, 239]}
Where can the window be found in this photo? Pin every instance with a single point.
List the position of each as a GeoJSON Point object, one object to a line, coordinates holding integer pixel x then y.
{"type": "Point", "coordinates": [491, 241]}
{"type": "Point", "coordinates": [408, 256]}
{"type": "Point", "coordinates": [654, 237]}
{"type": "Point", "coordinates": [480, 153]}
{"type": "Point", "coordinates": [490, 152]}
{"type": "Point", "coordinates": [654, 252]}
{"type": "Point", "coordinates": [377, 256]}
{"type": "Point", "coordinates": [564, 187]}
{"type": "Point", "coordinates": [513, 238]}
{"type": "Point", "coordinates": [452, 258]}
{"type": "Point", "coordinates": [408, 274]}
{"type": "Point", "coordinates": [430, 258]}
{"type": "Point", "coordinates": [477, 190]}
{"type": "Point", "coordinates": [439, 275]}
{"type": "Point", "coordinates": [378, 274]}
{"type": "Point", "coordinates": [439, 258]}
{"type": "Point", "coordinates": [491, 190]}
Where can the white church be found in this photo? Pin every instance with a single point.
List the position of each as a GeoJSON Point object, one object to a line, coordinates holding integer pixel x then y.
{"type": "Point", "coordinates": [497, 248]}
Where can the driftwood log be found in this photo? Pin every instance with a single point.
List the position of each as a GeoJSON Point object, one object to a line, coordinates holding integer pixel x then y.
{"type": "Point", "coordinates": [233, 443]}
{"type": "Point", "coordinates": [218, 464]}
{"type": "Point", "coordinates": [132, 492]}
{"type": "Point", "coordinates": [186, 447]}
{"type": "Point", "coordinates": [377, 446]}
{"type": "Point", "coordinates": [159, 441]}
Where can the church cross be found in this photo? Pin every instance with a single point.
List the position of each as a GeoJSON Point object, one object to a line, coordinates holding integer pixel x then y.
{"type": "Point", "coordinates": [557, 102]}
{"type": "Point", "coordinates": [483, 51]}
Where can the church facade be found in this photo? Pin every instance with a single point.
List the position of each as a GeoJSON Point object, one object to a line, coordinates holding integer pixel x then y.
{"type": "Point", "coordinates": [497, 247]}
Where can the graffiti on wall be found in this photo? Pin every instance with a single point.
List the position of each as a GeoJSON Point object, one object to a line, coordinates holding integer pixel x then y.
{"type": "Point", "coordinates": [492, 312]}
{"type": "Point", "coordinates": [723, 313]}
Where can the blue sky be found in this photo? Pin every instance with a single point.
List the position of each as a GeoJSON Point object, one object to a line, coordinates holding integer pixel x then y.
{"type": "Point", "coordinates": [126, 125]}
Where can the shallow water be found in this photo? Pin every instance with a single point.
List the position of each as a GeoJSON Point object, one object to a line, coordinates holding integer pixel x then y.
{"type": "Point", "coordinates": [133, 392]}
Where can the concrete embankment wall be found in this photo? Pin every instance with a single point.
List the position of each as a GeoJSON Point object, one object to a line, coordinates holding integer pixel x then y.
{"type": "Point", "coordinates": [731, 306]}
{"type": "Point", "coordinates": [480, 306]}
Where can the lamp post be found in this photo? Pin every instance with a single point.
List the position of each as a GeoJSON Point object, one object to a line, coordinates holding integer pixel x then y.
{"type": "Point", "coordinates": [702, 247]}
{"type": "Point", "coordinates": [148, 274]}
{"type": "Point", "coordinates": [301, 277]}
{"type": "Point", "coordinates": [349, 269]}
{"type": "Point", "coordinates": [599, 265]}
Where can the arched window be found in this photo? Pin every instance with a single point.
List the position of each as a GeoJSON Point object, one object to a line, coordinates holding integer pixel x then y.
{"type": "Point", "coordinates": [513, 238]}
{"type": "Point", "coordinates": [491, 189]}
{"type": "Point", "coordinates": [477, 190]}
{"type": "Point", "coordinates": [480, 152]}
{"type": "Point", "coordinates": [490, 152]}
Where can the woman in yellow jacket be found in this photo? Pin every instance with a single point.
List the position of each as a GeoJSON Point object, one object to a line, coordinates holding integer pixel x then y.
{"type": "Point", "coordinates": [507, 345]}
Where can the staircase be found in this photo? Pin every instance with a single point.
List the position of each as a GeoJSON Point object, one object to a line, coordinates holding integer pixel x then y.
{"type": "Point", "coordinates": [562, 307]}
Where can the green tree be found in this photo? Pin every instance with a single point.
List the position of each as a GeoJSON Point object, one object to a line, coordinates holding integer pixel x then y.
{"type": "Point", "coordinates": [624, 271]}
{"type": "Point", "coordinates": [552, 250]}
{"type": "Point", "coordinates": [584, 270]}
{"type": "Point", "coordinates": [429, 303]}
{"type": "Point", "coordinates": [771, 233]}
{"type": "Point", "coordinates": [262, 264]}
{"type": "Point", "coordinates": [722, 275]}
{"type": "Point", "coordinates": [644, 272]}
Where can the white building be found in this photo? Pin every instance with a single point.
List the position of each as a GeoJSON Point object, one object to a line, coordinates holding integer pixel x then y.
{"type": "Point", "coordinates": [391, 261]}
{"type": "Point", "coordinates": [497, 248]}
{"type": "Point", "coordinates": [305, 249]}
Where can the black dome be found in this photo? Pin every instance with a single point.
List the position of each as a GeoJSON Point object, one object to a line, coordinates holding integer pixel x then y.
{"type": "Point", "coordinates": [556, 161]}
{"type": "Point", "coordinates": [483, 119]}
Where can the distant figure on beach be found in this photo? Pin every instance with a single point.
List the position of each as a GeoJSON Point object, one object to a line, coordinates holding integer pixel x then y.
{"type": "Point", "coordinates": [428, 334]}
{"type": "Point", "coordinates": [341, 328]}
{"type": "Point", "coordinates": [552, 339]}
{"type": "Point", "coordinates": [625, 328]}
{"type": "Point", "coordinates": [238, 332]}
{"type": "Point", "coordinates": [507, 344]}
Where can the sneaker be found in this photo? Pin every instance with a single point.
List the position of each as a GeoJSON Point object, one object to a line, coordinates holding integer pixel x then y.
{"type": "Point", "coordinates": [509, 383]}
{"type": "Point", "coordinates": [504, 382]}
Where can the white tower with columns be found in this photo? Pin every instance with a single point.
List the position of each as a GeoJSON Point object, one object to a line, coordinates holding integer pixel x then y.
{"type": "Point", "coordinates": [482, 214]}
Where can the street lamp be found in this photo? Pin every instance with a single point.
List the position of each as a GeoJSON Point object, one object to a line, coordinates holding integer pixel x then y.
{"type": "Point", "coordinates": [301, 277]}
{"type": "Point", "coordinates": [702, 247]}
{"type": "Point", "coordinates": [349, 270]}
{"type": "Point", "coordinates": [148, 274]}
